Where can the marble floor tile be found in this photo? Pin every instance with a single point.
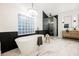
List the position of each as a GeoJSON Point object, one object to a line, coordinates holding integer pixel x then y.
{"type": "Point", "coordinates": [57, 47]}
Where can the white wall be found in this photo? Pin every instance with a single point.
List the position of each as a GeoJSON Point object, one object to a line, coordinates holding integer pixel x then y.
{"type": "Point", "coordinates": [39, 17]}
{"type": "Point", "coordinates": [8, 18]}
{"type": "Point", "coordinates": [9, 15]}
{"type": "Point", "coordinates": [72, 13]}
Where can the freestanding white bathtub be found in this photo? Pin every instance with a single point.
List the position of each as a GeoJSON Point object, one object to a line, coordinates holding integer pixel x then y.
{"type": "Point", "coordinates": [28, 44]}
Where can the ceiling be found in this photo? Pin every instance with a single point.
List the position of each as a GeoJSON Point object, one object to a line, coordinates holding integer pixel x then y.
{"type": "Point", "coordinates": [56, 8]}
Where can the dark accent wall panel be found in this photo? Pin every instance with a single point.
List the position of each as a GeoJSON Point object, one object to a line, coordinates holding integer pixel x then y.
{"type": "Point", "coordinates": [56, 16]}
{"type": "Point", "coordinates": [26, 35]}
{"type": "Point", "coordinates": [44, 15]}
{"type": "Point", "coordinates": [8, 41]}
{"type": "Point", "coordinates": [39, 32]}
{"type": "Point", "coordinates": [44, 32]}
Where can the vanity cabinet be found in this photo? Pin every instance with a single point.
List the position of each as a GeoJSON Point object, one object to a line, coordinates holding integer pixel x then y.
{"type": "Point", "coordinates": [71, 34]}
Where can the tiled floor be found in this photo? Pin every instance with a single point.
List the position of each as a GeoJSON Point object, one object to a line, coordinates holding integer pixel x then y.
{"type": "Point", "coordinates": [57, 47]}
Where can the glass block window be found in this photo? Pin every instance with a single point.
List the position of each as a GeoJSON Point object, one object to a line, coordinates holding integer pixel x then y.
{"type": "Point", "coordinates": [26, 25]}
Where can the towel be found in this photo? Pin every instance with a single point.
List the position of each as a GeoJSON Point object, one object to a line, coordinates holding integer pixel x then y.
{"type": "Point", "coordinates": [39, 41]}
